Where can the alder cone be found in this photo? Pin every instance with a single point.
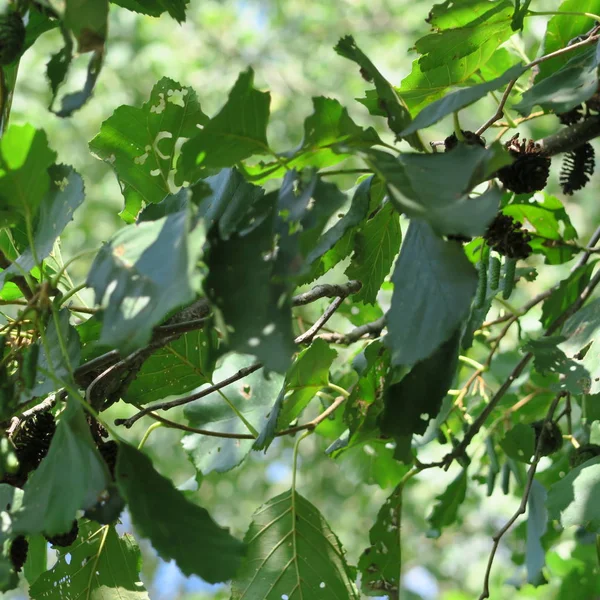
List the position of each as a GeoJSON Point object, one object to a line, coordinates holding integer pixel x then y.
{"type": "Point", "coordinates": [507, 237]}
{"type": "Point", "coordinates": [583, 454]}
{"type": "Point", "coordinates": [471, 139]}
{"type": "Point", "coordinates": [12, 37]}
{"type": "Point", "coordinates": [551, 435]}
{"type": "Point", "coordinates": [64, 539]}
{"type": "Point", "coordinates": [18, 552]}
{"type": "Point", "coordinates": [529, 173]}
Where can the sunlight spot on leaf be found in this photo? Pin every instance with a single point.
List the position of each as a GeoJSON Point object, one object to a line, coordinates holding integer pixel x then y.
{"type": "Point", "coordinates": [253, 342]}
{"type": "Point", "coordinates": [269, 329]}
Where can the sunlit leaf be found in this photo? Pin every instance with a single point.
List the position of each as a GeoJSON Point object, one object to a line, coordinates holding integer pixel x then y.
{"type": "Point", "coordinates": [155, 8]}
{"type": "Point", "coordinates": [292, 553]}
{"type": "Point", "coordinates": [99, 566]}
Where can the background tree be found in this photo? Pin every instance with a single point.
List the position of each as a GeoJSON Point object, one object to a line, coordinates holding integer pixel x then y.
{"type": "Point", "coordinates": [460, 391]}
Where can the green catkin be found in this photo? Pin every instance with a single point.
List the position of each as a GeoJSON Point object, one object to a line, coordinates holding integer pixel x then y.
{"type": "Point", "coordinates": [506, 478]}
{"type": "Point", "coordinates": [482, 281]}
{"type": "Point", "coordinates": [494, 273]}
{"type": "Point", "coordinates": [510, 266]}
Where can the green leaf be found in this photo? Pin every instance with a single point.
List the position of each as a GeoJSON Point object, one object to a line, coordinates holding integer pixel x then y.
{"type": "Point", "coordinates": [452, 14]}
{"type": "Point", "coordinates": [65, 195]}
{"type": "Point", "coordinates": [51, 359]}
{"type": "Point", "coordinates": [389, 102]}
{"type": "Point", "coordinates": [139, 143]}
{"type": "Point", "coordinates": [155, 8]}
{"type": "Point", "coordinates": [292, 553]}
{"type": "Point", "coordinates": [256, 309]}
{"type": "Point", "coordinates": [417, 398]}
{"type": "Point", "coordinates": [177, 529]}
{"type": "Point", "coordinates": [88, 20]}
{"type": "Point", "coordinates": [356, 213]}
{"type": "Point", "coordinates": [420, 88]}
{"type": "Point", "coordinates": [537, 522]}
{"type": "Point", "coordinates": [37, 558]}
{"type": "Point", "coordinates": [519, 442]}
{"type": "Point", "coordinates": [550, 359]}
{"type": "Point", "coordinates": [101, 565]}
{"type": "Point", "coordinates": [566, 293]}
{"type": "Point", "coordinates": [236, 133]}
{"type": "Point", "coordinates": [455, 101]}
{"type": "Point", "coordinates": [571, 85]}
{"type": "Point", "coordinates": [330, 136]}
{"type": "Point", "coordinates": [519, 14]}
{"type": "Point", "coordinates": [379, 563]}
{"type": "Point", "coordinates": [451, 44]}
{"type": "Point", "coordinates": [143, 273]}
{"type": "Point", "coordinates": [175, 369]}
{"type": "Point", "coordinates": [365, 404]}
{"type": "Point", "coordinates": [434, 284]}
{"type": "Point", "coordinates": [561, 29]}
{"type": "Point", "coordinates": [229, 203]}
{"type": "Point", "coordinates": [445, 512]}
{"type": "Point", "coordinates": [253, 398]}
{"type": "Point", "coordinates": [375, 247]}
{"type": "Point", "coordinates": [549, 220]}
{"type": "Point", "coordinates": [572, 499]}
{"type": "Point", "coordinates": [413, 182]}
{"type": "Point", "coordinates": [308, 375]}
{"type": "Point", "coordinates": [24, 180]}
{"type": "Point", "coordinates": [73, 463]}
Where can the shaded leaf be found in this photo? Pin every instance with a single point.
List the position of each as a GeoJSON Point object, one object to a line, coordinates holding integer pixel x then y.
{"type": "Point", "coordinates": [445, 512]}
{"type": "Point", "coordinates": [237, 132]}
{"type": "Point", "coordinates": [572, 500]}
{"type": "Point", "coordinates": [537, 522]}
{"type": "Point", "coordinates": [88, 20]}
{"type": "Point", "coordinates": [172, 523]}
{"type": "Point", "coordinates": [562, 28]}
{"type": "Point", "coordinates": [375, 247]}
{"type": "Point", "coordinates": [175, 369]}
{"type": "Point", "coordinates": [143, 273]}
{"type": "Point", "coordinates": [519, 442]}
{"type": "Point", "coordinates": [434, 284]}
{"type": "Point", "coordinates": [37, 558]}
{"type": "Point", "coordinates": [256, 309]}
{"type": "Point", "coordinates": [292, 551]}
{"type": "Point", "coordinates": [253, 397]}
{"type": "Point", "coordinates": [568, 87]}
{"type": "Point", "coordinates": [417, 398]}
{"type": "Point", "coordinates": [100, 565]}
{"type": "Point", "coordinates": [73, 463]}
{"type": "Point", "coordinates": [413, 183]}
{"type": "Point", "coordinates": [155, 8]}
{"type": "Point", "coordinates": [379, 564]}
{"type": "Point", "coordinates": [65, 195]}
{"type": "Point", "coordinates": [139, 143]}
{"type": "Point", "coordinates": [455, 101]}
{"type": "Point", "coordinates": [566, 293]}
{"type": "Point", "coordinates": [308, 375]}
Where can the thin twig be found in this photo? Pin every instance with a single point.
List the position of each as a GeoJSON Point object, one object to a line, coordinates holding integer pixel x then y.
{"type": "Point", "coordinates": [500, 110]}
{"type": "Point", "coordinates": [460, 449]}
{"type": "Point", "coordinates": [18, 280]}
{"type": "Point", "coordinates": [309, 334]}
{"type": "Point", "coordinates": [327, 290]}
{"type": "Point", "coordinates": [43, 406]}
{"type": "Point", "coordinates": [523, 505]}
{"type": "Point", "coordinates": [372, 329]}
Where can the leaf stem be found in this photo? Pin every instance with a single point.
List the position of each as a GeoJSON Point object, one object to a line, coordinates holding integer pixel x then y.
{"type": "Point", "coordinates": [146, 435]}
{"type": "Point", "coordinates": [295, 461]}
{"type": "Point", "coordinates": [338, 389]}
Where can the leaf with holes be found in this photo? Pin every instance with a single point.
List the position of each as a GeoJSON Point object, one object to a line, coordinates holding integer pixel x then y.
{"type": "Point", "coordinates": [445, 512]}
{"type": "Point", "coordinates": [175, 369]}
{"type": "Point", "coordinates": [379, 563]}
{"type": "Point", "coordinates": [252, 398]}
{"type": "Point", "coordinates": [139, 143]}
{"type": "Point", "coordinates": [292, 553]}
{"type": "Point", "coordinates": [237, 132]}
{"type": "Point", "coordinates": [99, 565]}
